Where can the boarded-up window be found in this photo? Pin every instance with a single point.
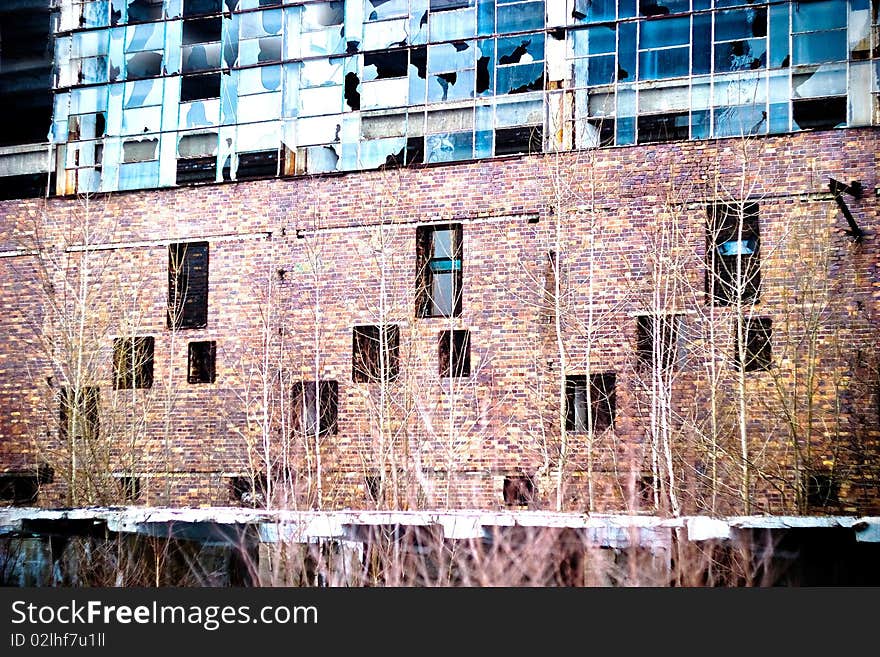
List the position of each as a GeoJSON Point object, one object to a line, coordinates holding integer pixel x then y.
{"type": "Point", "coordinates": [188, 285]}
{"type": "Point", "coordinates": [375, 353]}
{"type": "Point", "coordinates": [310, 413]}
{"type": "Point", "coordinates": [133, 362]}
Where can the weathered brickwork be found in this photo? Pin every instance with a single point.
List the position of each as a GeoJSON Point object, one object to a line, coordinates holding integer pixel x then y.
{"type": "Point", "coordinates": [296, 263]}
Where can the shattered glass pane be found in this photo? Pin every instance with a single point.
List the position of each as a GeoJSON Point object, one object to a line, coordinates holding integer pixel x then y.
{"type": "Point", "coordinates": [456, 85]}
{"type": "Point", "coordinates": [387, 34]}
{"type": "Point", "coordinates": [827, 80]}
{"type": "Point", "coordinates": [382, 152]}
{"type": "Point", "coordinates": [739, 121]}
{"type": "Point", "coordinates": [594, 11]}
{"type": "Point", "coordinates": [377, 10]}
{"type": "Point", "coordinates": [139, 150]}
{"type": "Point", "coordinates": [741, 55]}
{"type": "Point", "coordinates": [143, 65]}
{"type": "Point", "coordinates": [318, 15]}
{"type": "Point", "coordinates": [448, 147]}
{"type": "Point", "coordinates": [198, 145]}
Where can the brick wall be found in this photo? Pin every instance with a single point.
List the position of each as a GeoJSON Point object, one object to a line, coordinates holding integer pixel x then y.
{"type": "Point", "coordinates": [296, 263]}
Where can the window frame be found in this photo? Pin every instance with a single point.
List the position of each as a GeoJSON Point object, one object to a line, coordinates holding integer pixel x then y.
{"type": "Point", "coordinates": [428, 266]}
{"type": "Point", "coordinates": [303, 406]}
{"type": "Point", "coordinates": [133, 360]}
{"type": "Point", "coordinates": [602, 387]}
{"type": "Point", "coordinates": [369, 338]}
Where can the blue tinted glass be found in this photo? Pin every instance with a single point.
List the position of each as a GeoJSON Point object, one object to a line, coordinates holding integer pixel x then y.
{"type": "Point", "coordinates": [521, 49]}
{"type": "Point", "coordinates": [809, 16]}
{"type": "Point", "coordinates": [778, 117]}
{"type": "Point", "coordinates": [667, 32]}
{"type": "Point", "coordinates": [449, 146]}
{"type": "Point", "coordinates": [669, 63]}
{"type": "Point", "coordinates": [626, 131]}
{"type": "Point", "coordinates": [486, 17]}
{"type": "Point", "coordinates": [520, 18]}
{"type": "Point", "coordinates": [663, 7]}
{"type": "Point", "coordinates": [601, 70]}
{"type": "Point", "coordinates": [778, 35]}
{"type": "Point", "coordinates": [741, 55]}
{"type": "Point", "coordinates": [594, 40]}
{"type": "Point", "coordinates": [818, 47]}
{"type": "Point", "coordinates": [483, 146]}
{"type": "Point", "coordinates": [626, 55]}
{"type": "Point", "coordinates": [702, 43]}
{"type": "Point", "coordinates": [519, 79]}
{"type": "Point", "coordinates": [740, 24]}
{"type": "Point", "coordinates": [700, 124]}
{"type": "Point", "coordinates": [741, 120]}
{"type": "Point", "coordinates": [626, 8]}
{"type": "Point", "coordinates": [594, 11]}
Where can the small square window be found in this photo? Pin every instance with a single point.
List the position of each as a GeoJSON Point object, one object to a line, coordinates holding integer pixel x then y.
{"type": "Point", "coordinates": [248, 490]}
{"type": "Point", "coordinates": [202, 362]}
{"type": "Point", "coordinates": [133, 362]}
{"type": "Point", "coordinates": [645, 492]}
{"type": "Point", "coordinates": [306, 410]}
{"type": "Point", "coordinates": [601, 402]}
{"type": "Point", "coordinates": [373, 488]}
{"type": "Point", "coordinates": [821, 489]}
{"type": "Point", "coordinates": [130, 488]}
{"type": "Point", "coordinates": [757, 355]}
{"type": "Point", "coordinates": [375, 353]}
{"type": "Point", "coordinates": [657, 339]}
{"type": "Point", "coordinates": [519, 490]}
{"type": "Point", "coordinates": [455, 353]}
{"type": "Point", "coordinates": [199, 87]}
{"type": "Point", "coordinates": [438, 270]}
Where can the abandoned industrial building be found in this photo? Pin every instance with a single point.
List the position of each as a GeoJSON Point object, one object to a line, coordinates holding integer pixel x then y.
{"type": "Point", "coordinates": [608, 256]}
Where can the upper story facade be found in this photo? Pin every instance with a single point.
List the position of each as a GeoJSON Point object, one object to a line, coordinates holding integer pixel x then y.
{"type": "Point", "coordinates": [161, 93]}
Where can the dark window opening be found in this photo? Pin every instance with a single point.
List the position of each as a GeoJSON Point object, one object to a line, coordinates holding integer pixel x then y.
{"type": "Point", "coordinates": [663, 127]}
{"type": "Point", "coordinates": [29, 185]}
{"type": "Point", "coordinates": [130, 488]}
{"type": "Point", "coordinates": [375, 353]}
{"type": "Point", "coordinates": [757, 354]}
{"type": "Point", "coordinates": [311, 414]}
{"type": "Point", "coordinates": [605, 130]}
{"type": "Point", "coordinates": [199, 87]}
{"type": "Point", "coordinates": [143, 65]}
{"type": "Point", "coordinates": [188, 285]}
{"type": "Point", "coordinates": [250, 491]}
{"type": "Point", "coordinates": [373, 488]}
{"type": "Point", "coordinates": [590, 408]}
{"type": "Point", "coordinates": [259, 164]}
{"type": "Point", "coordinates": [455, 353]}
{"type": "Point", "coordinates": [199, 7]}
{"type": "Point", "coordinates": [202, 30]}
{"type": "Point", "coordinates": [202, 362]}
{"type": "Point", "coordinates": [438, 270]}
{"type": "Point", "coordinates": [18, 488]}
{"type": "Point", "coordinates": [389, 64]}
{"type": "Point", "coordinates": [733, 253]}
{"type": "Point", "coordinates": [133, 362]}
{"type": "Point", "coordinates": [140, 11]}
{"type": "Point", "coordinates": [821, 490]}
{"type": "Point", "coordinates": [196, 170]}
{"type": "Point", "coordinates": [519, 490]}
{"type": "Point", "coordinates": [139, 150]}
{"type": "Point", "coordinates": [645, 492]}
{"type": "Point", "coordinates": [819, 113]}
{"type": "Point", "coordinates": [523, 139]}
{"type": "Point", "coordinates": [78, 417]}
{"type": "Point", "coordinates": [657, 339]}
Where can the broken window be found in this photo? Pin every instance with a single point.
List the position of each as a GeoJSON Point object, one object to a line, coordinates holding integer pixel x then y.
{"type": "Point", "coordinates": [23, 487]}
{"type": "Point", "coordinates": [78, 416]}
{"type": "Point", "coordinates": [199, 87]}
{"type": "Point", "coordinates": [523, 139]}
{"type": "Point", "coordinates": [202, 362]}
{"type": "Point", "coordinates": [819, 113]}
{"type": "Point", "coordinates": [818, 32]}
{"type": "Point", "coordinates": [655, 128]}
{"type": "Point", "coordinates": [188, 285]}
{"type": "Point", "coordinates": [372, 488]}
{"type": "Point", "coordinates": [519, 490]}
{"type": "Point", "coordinates": [733, 271]}
{"type": "Point", "coordinates": [139, 150]}
{"type": "Point", "coordinates": [741, 39]}
{"type": "Point", "coordinates": [757, 354]}
{"type": "Point", "coordinates": [130, 488]}
{"type": "Point", "coordinates": [143, 65]}
{"type": "Point", "coordinates": [520, 65]}
{"type": "Point", "coordinates": [438, 270]}
{"type": "Point", "coordinates": [144, 10]}
{"type": "Point", "coordinates": [657, 340]}
{"type": "Point", "coordinates": [248, 490]}
{"type": "Point", "coordinates": [200, 7]}
{"type": "Point", "coordinates": [455, 353]}
{"type": "Point", "coordinates": [375, 353]}
{"type": "Point", "coordinates": [645, 492]}
{"type": "Point", "coordinates": [664, 48]}
{"type": "Point", "coordinates": [822, 489]}
{"type": "Point", "coordinates": [258, 164]}
{"type": "Point", "coordinates": [133, 362]}
{"type": "Point", "coordinates": [590, 406]}
{"type": "Point", "coordinates": [196, 158]}
{"type": "Point", "coordinates": [315, 407]}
